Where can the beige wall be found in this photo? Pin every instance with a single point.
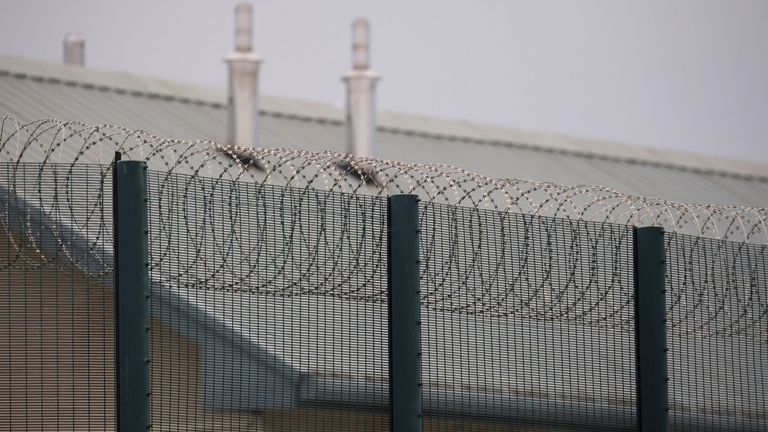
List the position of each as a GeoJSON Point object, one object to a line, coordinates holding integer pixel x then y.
{"type": "Point", "coordinates": [308, 420]}
{"type": "Point", "coordinates": [57, 366]}
{"type": "Point", "coordinates": [57, 357]}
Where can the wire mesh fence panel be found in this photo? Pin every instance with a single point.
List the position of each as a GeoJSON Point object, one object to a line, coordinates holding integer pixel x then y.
{"type": "Point", "coordinates": [56, 299]}
{"type": "Point", "coordinates": [269, 310]}
{"type": "Point", "coordinates": [527, 322]}
{"type": "Point", "coordinates": [718, 334]}
{"type": "Point", "coordinates": [268, 307]}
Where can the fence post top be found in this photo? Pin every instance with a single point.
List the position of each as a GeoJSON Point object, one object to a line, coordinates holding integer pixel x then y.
{"type": "Point", "coordinates": [131, 163]}
{"type": "Point", "coordinates": [403, 197]}
{"type": "Point", "coordinates": [650, 229]}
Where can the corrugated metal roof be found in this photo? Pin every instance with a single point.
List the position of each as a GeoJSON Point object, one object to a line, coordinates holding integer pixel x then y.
{"type": "Point", "coordinates": [31, 90]}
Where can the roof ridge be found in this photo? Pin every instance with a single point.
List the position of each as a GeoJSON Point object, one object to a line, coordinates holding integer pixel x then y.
{"type": "Point", "coordinates": [104, 80]}
{"type": "Point", "coordinates": [401, 123]}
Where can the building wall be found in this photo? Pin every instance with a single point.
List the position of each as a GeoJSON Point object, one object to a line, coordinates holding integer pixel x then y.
{"type": "Point", "coordinates": [316, 420]}
{"type": "Point", "coordinates": [57, 365]}
{"type": "Point", "coordinates": [57, 356]}
{"type": "Point", "coordinates": [177, 389]}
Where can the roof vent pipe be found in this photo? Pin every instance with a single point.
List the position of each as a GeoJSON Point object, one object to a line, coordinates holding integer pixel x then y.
{"type": "Point", "coordinates": [243, 98]}
{"type": "Point", "coordinates": [361, 84]}
{"type": "Point", "coordinates": [74, 49]}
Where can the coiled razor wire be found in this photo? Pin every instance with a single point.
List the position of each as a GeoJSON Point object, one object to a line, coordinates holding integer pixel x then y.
{"type": "Point", "coordinates": [190, 168]}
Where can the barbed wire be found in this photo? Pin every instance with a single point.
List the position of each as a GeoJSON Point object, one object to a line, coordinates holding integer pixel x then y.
{"type": "Point", "coordinates": [475, 262]}
{"type": "Point", "coordinates": [53, 141]}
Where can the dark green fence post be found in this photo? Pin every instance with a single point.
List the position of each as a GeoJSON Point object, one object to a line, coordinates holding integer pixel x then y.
{"type": "Point", "coordinates": [404, 301]}
{"type": "Point", "coordinates": [651, 330]}
{"type": "Point", "coordinates": [132, 296]}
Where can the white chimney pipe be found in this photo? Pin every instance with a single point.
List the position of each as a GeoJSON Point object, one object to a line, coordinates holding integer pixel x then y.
{"type": "Point", "coordinates": [74, 49]}
{"type": "Point", "coordinates": [361, 84]}
{"type": "Point", "coordinates": [243, 100]}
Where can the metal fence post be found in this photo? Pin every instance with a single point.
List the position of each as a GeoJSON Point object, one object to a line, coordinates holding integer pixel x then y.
{"type": "Point", "coordinates": [404, 302]}
{"type": "Point", "coordinates": [132, 296]}
{"type": "Point", "coordinates": [651, 330]}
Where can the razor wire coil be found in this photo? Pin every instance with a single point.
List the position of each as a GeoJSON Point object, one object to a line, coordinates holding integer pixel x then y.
{"type": "Point", "coordinates": [240, 199]}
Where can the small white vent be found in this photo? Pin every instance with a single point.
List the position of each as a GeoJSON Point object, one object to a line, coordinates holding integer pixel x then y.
{"type": "Point", "coordinates": [74, 49]}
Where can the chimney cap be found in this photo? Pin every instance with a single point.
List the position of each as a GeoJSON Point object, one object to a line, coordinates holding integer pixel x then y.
{"type": "Point", "coordinates": [74, 37]}
{"type": "Point", "coordinates": [360, 44]}
{"type": "Point", "coordinates": [243, 27]}
{"type": "Point", "coordinates": [243, 52]}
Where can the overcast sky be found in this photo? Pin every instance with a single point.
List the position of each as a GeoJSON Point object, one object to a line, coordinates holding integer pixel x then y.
{"type": "Point", "coordinates": [686, 74]}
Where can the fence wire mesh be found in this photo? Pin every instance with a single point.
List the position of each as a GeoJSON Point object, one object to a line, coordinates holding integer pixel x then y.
{"type": "Point", "coordinates": [718, 334]}
{"type": "Point", "coordinates": [56, 304]}
{"type": "Point", "coordinates": [528, 321]}
{"type": "Point", "coordinates": [269, 307]}
{"type": "Point", "coordinates": [269, 303]}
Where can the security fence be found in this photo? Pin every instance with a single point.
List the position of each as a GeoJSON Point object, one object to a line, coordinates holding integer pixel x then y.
{"type": "Point", "coordinates": [718, 333]}
{"type": "Point", "coordinates": [269, 307]}
{"type": "Point", "coordinates": [286, 291]}
{"type": "Point", "coordinates": [528, 321]}
{"type": "Point", "coordinates": [57, 323]}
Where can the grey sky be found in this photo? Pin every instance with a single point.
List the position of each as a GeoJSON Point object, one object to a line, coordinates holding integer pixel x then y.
{"type": "Point", "coordinates": [688, 74]}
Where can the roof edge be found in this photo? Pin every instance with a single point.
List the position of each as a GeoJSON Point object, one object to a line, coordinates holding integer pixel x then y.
{"type": "Point", "coordinates": [408, 124]}
{"type": "Point", "coordinates": [119, 82]}
{"type": "Point", "coordinates": [552, 142]}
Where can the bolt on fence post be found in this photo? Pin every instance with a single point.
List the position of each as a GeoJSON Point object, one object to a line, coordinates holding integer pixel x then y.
{"type": "Point", "coordinates": [651, 330]}
{"type": "Point", "coordinates": [132, 296]}
{"type": "Point", "coordinates": [404, 305]}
